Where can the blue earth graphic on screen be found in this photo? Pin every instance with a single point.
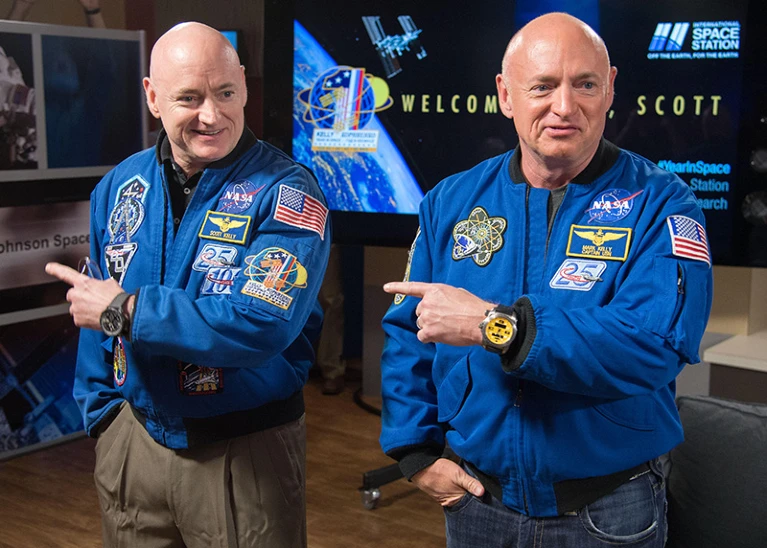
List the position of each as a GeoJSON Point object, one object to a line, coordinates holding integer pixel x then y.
{"type": "Point", "coordinates": [323, 99]}
{"type": "Point", "coordinates": [379, 181]}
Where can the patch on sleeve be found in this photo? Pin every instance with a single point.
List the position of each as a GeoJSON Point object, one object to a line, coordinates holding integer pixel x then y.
{"type": "Point", "coordinates": [688, 239]}
{"type": "Point", "coordinates": [118, 258]}
{"type": "Point", "coordinates": [478, 237]}
{"type": "Point", "coordinates": [120, 363]}
{"type": "Point", "coordinates": [135, 187]}
{"type": "Point", "coordinates": [225, 227]}
{"type": "Point", "coordinates": [273, 273]}
{"type": "Point", "coordinates": [219, 280]}
{"type": "Point", "coordinates": [196, 380]}
{"type": "Point", "coordinates": [214, 255]}
{"type": "Point", "coordinates": [124, 220]}
{"type": "Point", "coordinates": [399, 297]}
{"type": "Point", "coordinates": [599, 242]}
{"type": "Point", "coordinates": [578, 274]}
{"type": "Point", "coordinates": [298, 209]}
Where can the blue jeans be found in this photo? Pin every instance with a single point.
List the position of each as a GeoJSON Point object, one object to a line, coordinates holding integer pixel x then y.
{"type": "Point", "coordinates": [633, 515]}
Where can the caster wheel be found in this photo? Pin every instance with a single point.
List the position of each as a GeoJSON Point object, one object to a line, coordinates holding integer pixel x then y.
{"type": "Point", "coordinates": [370, 498]}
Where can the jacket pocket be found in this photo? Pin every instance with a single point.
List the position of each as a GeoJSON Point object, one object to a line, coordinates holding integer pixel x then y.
{"type": "Point", "coordinates": [637, 412]}
{"type": "Point", "coordinates": [453, 391]}
{"type": "Point", "coordinates": [668, 297]}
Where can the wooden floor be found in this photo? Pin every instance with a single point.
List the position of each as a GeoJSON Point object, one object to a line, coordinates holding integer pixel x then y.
{"type": "Point", "coordinates": [47, 498]}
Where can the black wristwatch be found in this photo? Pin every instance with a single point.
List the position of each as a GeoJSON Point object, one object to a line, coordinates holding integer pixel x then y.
{"type": "Point", "coordinates": [114, 320]}
{"type": "Point", "coordinates": [498, 330]}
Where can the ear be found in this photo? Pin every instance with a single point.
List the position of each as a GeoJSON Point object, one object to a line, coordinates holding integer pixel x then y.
{"type": "Point", "coordinates": [611, 87]}
{"type": "Point", "coordinates": [151, 98]}
{"type": "Point", "coordinates": [504, 96]}
{"type": "Point", "coordinates": [244, 85]}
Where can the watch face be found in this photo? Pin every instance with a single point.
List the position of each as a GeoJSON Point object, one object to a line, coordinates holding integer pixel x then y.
{"type": "Point", "coordinates": [111, 322]}
{"type": "Point", "coordinates": [499, 331]}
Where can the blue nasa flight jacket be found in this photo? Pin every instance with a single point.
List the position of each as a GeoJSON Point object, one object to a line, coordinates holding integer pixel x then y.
{"type": "Point", "coordinates": [616, 297]}
{"type": "Point", "coordinates": [227, 309]}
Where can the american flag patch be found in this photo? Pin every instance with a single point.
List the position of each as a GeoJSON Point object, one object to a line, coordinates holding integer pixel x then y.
{"type": "Point", "coordinates": [688, 238]}
{"type": "Point", "coordinates": [301, 210]}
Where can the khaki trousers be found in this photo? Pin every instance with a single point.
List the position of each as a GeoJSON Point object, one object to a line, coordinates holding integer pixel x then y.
{"type": "Point", "coordinates": [243, 492]}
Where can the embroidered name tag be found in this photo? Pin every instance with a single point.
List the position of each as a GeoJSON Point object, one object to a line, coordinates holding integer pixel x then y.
{"type": "Point", "coordinates": [225, 227]}
{"type": "Point", "coordinates": [601, 242]}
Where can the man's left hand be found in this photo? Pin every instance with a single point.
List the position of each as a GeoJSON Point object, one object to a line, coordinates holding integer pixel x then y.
{"type": "Point", "coordinates": [88, 297]}
{"type": "Point", "coordinates": [446, 314]}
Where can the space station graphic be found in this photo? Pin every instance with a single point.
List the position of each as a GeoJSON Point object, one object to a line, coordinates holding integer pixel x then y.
{"type": "Point", "coordinates": [326, 108]}
{"type": "Point", "coordinates": [390, 47]}
{"type": "Point", "coordinates": [340, 104]}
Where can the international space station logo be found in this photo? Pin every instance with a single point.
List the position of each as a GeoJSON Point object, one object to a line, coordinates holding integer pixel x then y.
{"type": "Point", "coordinates": [391, 47]}
{"type": "Point", "coordinates": [340, 103]}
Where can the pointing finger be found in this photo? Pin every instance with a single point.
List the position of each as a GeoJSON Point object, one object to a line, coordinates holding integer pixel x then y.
{"type": "Point", "coordinates": [63, 273]}
{"type": "Point", "coordinates": [413, 289]}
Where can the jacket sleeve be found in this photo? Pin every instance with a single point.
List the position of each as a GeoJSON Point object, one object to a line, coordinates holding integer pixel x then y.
{"type": "Point", "coordinates": [641, 339]}
{"type": "Point", "coordinates": [409, 412]}
{"type": "Point", "coordinates": [94, 389]}
{"type": "Point", "coordinates": [273, 298]}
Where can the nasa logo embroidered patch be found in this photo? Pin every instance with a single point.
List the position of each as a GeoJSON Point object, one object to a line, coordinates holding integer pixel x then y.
{"type": "Point", "coordinates": [612, 205]}
{"type": "Point", "coordinates": [238, 196]}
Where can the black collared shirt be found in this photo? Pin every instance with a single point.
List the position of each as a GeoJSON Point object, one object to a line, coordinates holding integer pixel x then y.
{"type": "Point", "coordinates": [181, 187]}
{"type": "Point", "coordinates": [604, 158]}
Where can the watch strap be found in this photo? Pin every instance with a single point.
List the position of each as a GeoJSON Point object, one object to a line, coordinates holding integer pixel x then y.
{"type": "Point", "coordinates": [119, 301]}
{"type": "Point", "coordinates": [117, 305]}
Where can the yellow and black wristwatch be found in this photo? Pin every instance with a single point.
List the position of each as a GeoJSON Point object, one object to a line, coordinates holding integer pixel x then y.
{"type": "Point", "coordinates": [498, 329]}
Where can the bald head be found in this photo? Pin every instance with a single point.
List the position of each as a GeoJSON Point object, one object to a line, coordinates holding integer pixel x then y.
{"type": "Point", "coordinates": [184, 43]}
{"type": "Point", "coordinates": [554, 28]}
{"type": "Point", "coordinates": [196, 87]}
{"type": "Point", "coordinates": [556, 84]}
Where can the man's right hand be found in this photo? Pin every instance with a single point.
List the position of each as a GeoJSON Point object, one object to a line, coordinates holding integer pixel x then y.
{"type": "Point", "coordinates": [446, 482]}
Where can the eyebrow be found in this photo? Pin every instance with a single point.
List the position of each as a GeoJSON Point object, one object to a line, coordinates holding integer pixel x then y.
{"type": "Point", "coordinates": [194, 91]}
{"type": "Point", "coordinates": [546, 79]}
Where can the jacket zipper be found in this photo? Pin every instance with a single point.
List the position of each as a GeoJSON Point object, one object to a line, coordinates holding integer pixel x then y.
{"type": "Point", "coordinates": [518, 399]}
{"type": "Point", "coordinates": [165, 201]}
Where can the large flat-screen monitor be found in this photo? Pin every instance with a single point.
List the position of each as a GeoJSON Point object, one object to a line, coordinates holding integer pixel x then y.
{"type": "Point", "coordinates": [71, 107]}
{"type": "Point", "coordinates": [382, 100]}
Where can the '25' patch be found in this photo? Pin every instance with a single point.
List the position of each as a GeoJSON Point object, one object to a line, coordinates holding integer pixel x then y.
{"type": "Point", "coordinates": [578, 274]}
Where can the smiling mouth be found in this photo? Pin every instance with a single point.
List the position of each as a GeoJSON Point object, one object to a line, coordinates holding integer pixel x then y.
{"type": "Point", "coordinates": [208, 133]}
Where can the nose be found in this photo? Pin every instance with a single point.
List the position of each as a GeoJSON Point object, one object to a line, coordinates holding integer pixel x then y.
{"type": "Point", "coordinates": [563, 103]}
{"type": "Point", "coordinates": [208, 112]}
